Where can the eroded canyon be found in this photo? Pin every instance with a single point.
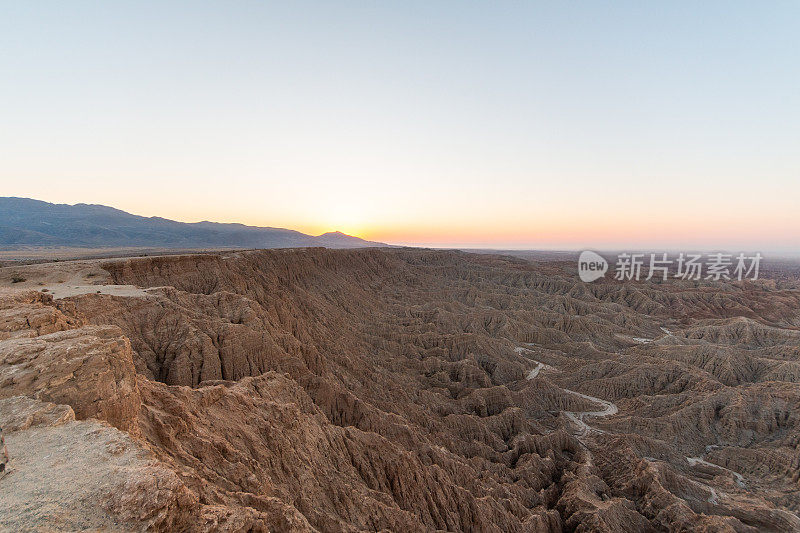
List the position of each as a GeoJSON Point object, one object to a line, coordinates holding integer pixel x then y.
{"type": "Point", "coordinates": [398, 390]}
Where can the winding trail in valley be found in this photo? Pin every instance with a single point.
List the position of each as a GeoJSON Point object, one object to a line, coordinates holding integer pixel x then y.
{"type": "Point", "coordinates": [578, 418]}
{"type": "Point", "coordinates": [737, 477]}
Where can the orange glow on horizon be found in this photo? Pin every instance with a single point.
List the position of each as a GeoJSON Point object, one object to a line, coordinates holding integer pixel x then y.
{"type": "Point", "coordinates": [586, 230]}
{"type": "Point", "coordinates": [577, 233]}
{"type": "Point", "coordinates": [514, 222]}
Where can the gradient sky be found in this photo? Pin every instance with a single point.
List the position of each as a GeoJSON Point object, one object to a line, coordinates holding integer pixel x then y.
{"type": "Point", "coordinates": [503, 124]}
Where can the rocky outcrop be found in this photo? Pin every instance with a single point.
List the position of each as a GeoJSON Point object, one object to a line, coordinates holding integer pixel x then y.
{"type": "Point", "coordinates": [30, 313]}
{"type": "Point", "coordinates": [71, 475]}
{"type": "Point", "coordinates": [89, 368]}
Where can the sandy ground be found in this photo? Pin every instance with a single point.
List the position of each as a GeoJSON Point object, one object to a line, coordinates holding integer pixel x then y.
{"type": "Point", "coordinates": [69, 464]}
{"type": "Point", "coordinates": [66, 278]}
{"type": "Point", "coordinates": [41, 254]}
{"type": "Point", "coordinates": [61, 470]}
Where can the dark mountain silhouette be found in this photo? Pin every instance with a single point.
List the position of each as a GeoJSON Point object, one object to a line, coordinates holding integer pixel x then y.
{"type": "Point", "coordinates": [27, 222]}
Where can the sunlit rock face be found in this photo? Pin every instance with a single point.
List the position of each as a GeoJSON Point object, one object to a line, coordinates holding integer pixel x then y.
{"type": "Point", "coordinates": [380, 389]}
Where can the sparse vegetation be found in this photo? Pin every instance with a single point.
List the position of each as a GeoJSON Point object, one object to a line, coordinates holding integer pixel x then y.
{"type": "Point", "coordinates": [16, 278]}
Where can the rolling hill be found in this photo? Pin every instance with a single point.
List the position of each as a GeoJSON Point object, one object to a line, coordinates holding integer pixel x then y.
{"type": "Point", "coordinates": [28, 222]}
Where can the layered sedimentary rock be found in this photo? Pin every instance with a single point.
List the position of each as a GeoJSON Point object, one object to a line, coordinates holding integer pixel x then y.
{"type": "Point", "coordinates": [417, 390]}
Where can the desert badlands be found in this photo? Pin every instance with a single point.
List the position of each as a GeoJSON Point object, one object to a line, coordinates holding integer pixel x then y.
{"type": "Point", "coordinates": [394, 390]}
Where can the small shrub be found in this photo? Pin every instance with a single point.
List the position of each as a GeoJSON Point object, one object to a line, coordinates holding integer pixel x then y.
{"type": "Point", "coordinates": [16, 278]}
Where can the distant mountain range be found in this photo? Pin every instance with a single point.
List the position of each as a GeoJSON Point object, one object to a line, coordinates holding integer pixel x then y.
{"type": "Point", "coordinates": [27, 222]}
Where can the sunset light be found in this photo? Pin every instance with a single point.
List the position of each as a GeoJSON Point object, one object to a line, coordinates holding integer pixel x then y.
{"type": "Point", "coordinates": [425, 123]}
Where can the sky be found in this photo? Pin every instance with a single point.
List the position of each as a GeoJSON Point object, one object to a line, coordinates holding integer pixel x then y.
{"type": "Point", "coordinates": [551, 125]}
